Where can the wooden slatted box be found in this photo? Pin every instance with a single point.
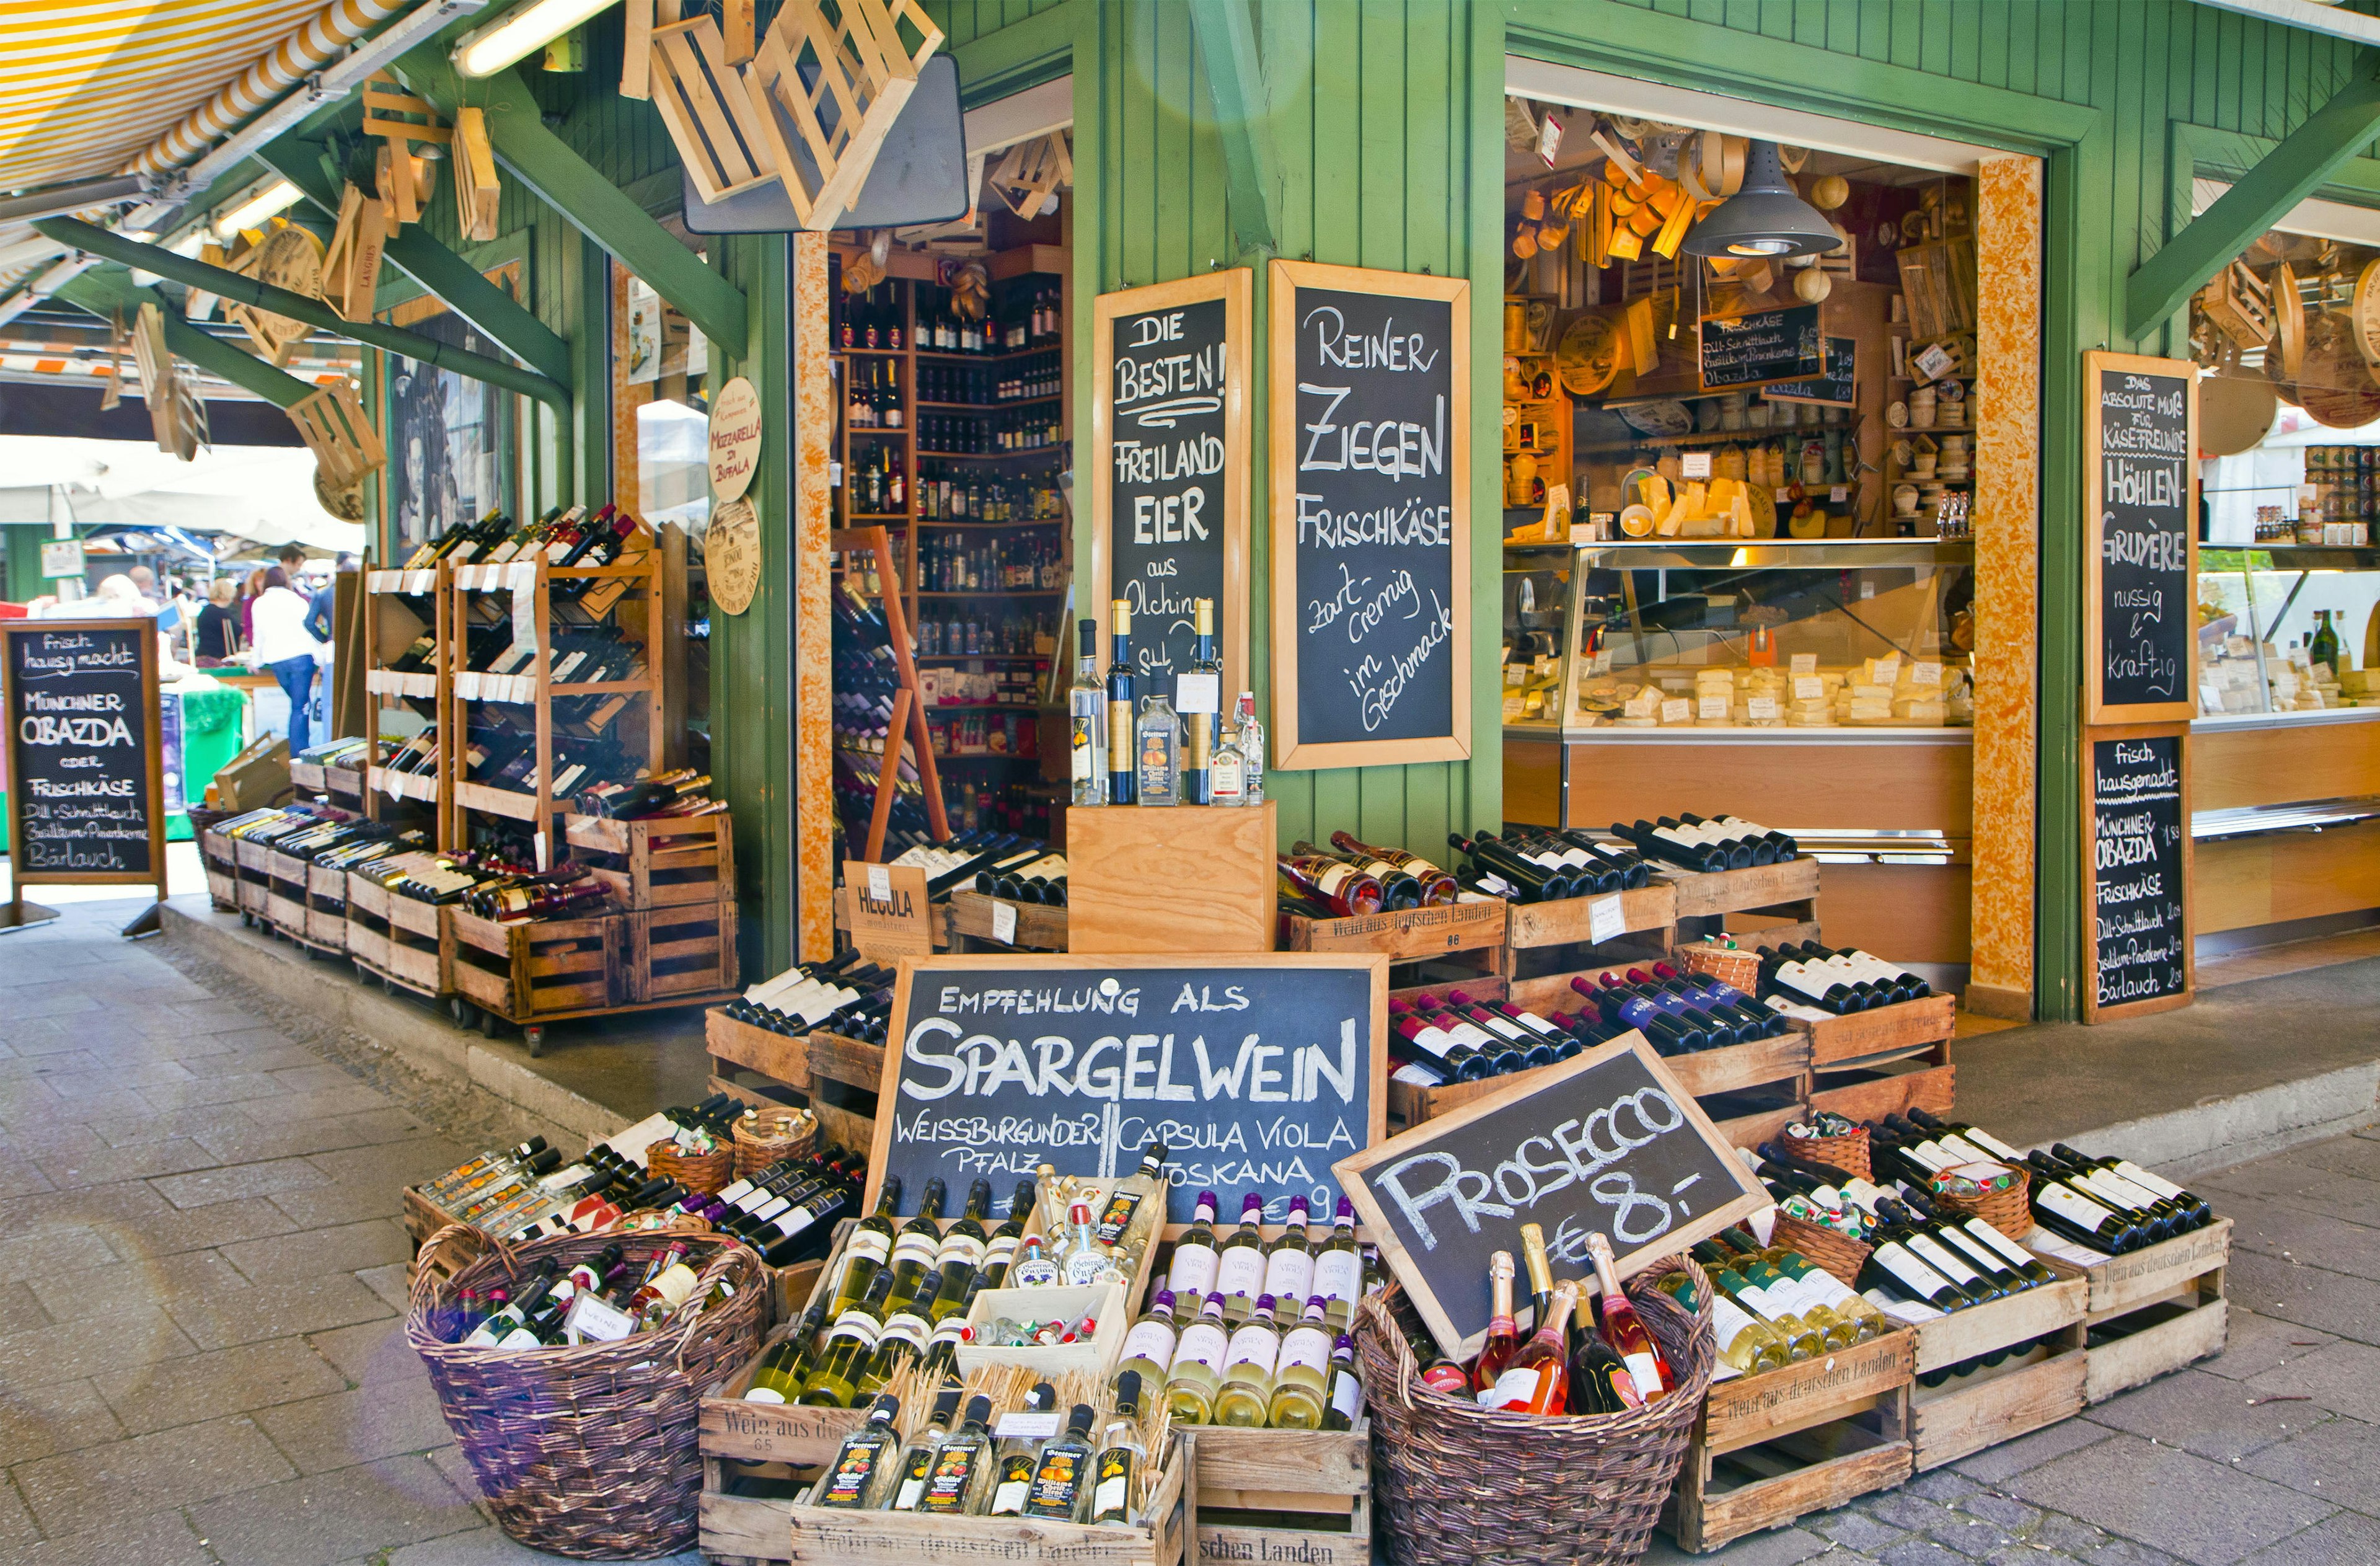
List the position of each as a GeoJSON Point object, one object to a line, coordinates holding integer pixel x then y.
{"type": "Point", "coordinates": [663, 862]}
{"type": "Point", "coordinates": [217, 851]}
{"type": "Point", "coordinates": [252, 864]}
{"type": "Point", "coordinates": [2156, 1309]}
{"type": "Point", "coordinates": [285, 893]}
{"type": "Point", "coordinates": [326, 908]}
{"type": "Point", "coordinates": [2024, 1392]}
{"type": "Point", "coordinates": [368, 923]}
{"type": "Point", "coordinates": [540, 968]}
{"type": "Point", "coordinates": [1302, 1495]}
{"type": "Point", "coordinates": [420, 947]}
{"type": "Point", "coordinates": [679, 952]}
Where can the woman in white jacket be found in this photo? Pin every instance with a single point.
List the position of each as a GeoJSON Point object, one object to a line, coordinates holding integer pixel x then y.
{"type": "Point", "coordinates": [284, 645]}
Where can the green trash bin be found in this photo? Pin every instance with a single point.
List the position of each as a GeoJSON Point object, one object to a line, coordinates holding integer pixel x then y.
{"type": "Point", "coordinates": [210, 725]}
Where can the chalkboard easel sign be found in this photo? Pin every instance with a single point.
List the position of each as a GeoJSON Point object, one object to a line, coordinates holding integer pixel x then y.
{"type": "Point", "coordinates": [1837, 388]}
{"type": "Point", "coordinates": [1169, 436]}
{"type": "Point", "coordinates": [1608, 1143]}
{"type": "Point", "coordinates": [2136, 862]}
{"type": "Point", "coordinates": [2140, 504]}
{"type": "Point", "coordinates": [1752, 350]}
{"type": "Point", "coordinates": [1371, 516]}
{"type": "Point", "coordinates": [85, 785]}
{"type": "Point", "coordinates": [1256, 1070]}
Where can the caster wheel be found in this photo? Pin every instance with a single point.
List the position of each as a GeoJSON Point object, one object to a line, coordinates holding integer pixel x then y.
{"type": "Point", "coordinates": [247, 920]}
{"type": "Point", "coordinates": [459, 1009]}
{"type": "Point", "coordinates": [487, 1025]}
{"type": "Point", "coordinates": [535, 1038]}
{"type": "Point", "coordinates": [387, 985]}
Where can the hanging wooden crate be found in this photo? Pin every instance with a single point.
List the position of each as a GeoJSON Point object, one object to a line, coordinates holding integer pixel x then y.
{"type": "Point", "coordinates": [1033, 171]}
{"type": "Point", "coordinates": [284, 257]}
{"type": "Point", "coordinates": [345, 445]}
{"type": "Point", "coordinates": [351, 266]}
{"type": "Point", "coordinates": [476, 188]}
{"type": "Point", "coordinates": [400, 119]}
{"type": "Point", "coordinates": [176, 418]}
{"type": "Point", "coordinates": [723, 137]}
{"type": "Point", "coordinates": [860, 71]}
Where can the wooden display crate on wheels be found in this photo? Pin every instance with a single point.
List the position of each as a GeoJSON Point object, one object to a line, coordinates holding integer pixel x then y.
{"type": "Point", "coordinates": [400, 941]}
{"type": "Point", "coordinates": [2039, 1383]}
{"type": "Point", "coordinates": [2156, 1309]}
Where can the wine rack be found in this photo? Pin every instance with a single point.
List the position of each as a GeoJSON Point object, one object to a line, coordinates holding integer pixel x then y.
{"type": "Point", "coordinates": [906, 725]}
{"type": "Point", "coordinates": [401, 607]}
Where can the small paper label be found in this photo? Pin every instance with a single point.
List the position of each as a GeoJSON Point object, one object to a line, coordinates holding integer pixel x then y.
{"type": "Point", "coordinates": [1514, 705]}
{"type": "Point", "coordinates": [1694, 465]}
{"type": "Point", "coordinates": [1711, 706]}
{"type": "Point", "coordinates": [1838, 493]}
{"type": "Point", "coordinates": [1677, 710]}
{"type": "Point", "coordinates": [1808, 687]}
{"type": "Point", "coordinates": [1027, 1426]}
{"type": "Point", "coordinates": [538, 839]}
{"type": "Point", "coordinates": [1926, 672]}
{"type": "Point", "coordinates": [1761, 708]}
{"type": "Point", "coordinates": [1003, 923]}
{"type": "Point", "coordinates": [1601, 662]}
{"type": "Point", "coordinates": [1805, 664]}
{"type": "Point", "coordinates": [1604, 919]}
{"type": "Point", "coordinates": [1549, 137]}
{"type": "Point", "coordinates": [1198, 693]}
{"type": "Point", "coordinates": [598, 1322]}
{"type": "Point", "coordinates": [879, 883]}
{"type": "Point", "coordinates": [1934, 361]}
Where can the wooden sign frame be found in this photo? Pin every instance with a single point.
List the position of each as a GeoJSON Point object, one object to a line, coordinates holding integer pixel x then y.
{"type": "Point", "coordinates": [1769, 393]}
{"type": "Point", "coordinates": [1553, 1079]}
{"type": "Point", "coordinates": [16, 912]}
{"type": "Point", "coordinates": [1702, 382]}
{"type": "Point", "coordinates": [909, 968]}
{"type": "Point", "coordinates": [2091, 1011]}
{"type": "Point", "coordinates": [1236, 287]}
{"type": "Point", "coordinates": [1290, 754]}
{"type": "Point", "coordinates": [2096, 710]}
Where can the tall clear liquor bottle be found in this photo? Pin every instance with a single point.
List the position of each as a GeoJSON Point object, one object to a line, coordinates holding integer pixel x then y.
{"type": "Point", "coordinates": [1123, 771]}
{"type": "Point", "coordinates": [1198, 696]}
{"type": "Point", "coordinates": [1087, 711]}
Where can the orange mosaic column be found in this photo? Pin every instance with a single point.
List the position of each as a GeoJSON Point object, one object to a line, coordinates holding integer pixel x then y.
{"type": "Point", "coordinates": [813, 634]}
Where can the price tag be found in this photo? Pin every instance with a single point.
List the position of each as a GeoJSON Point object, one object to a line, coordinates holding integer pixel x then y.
{"type": "Point", "coordinates": [1003, 923]}
{"type": "Point", "coordinates": [1027, 1426]}
{"type": "Point", "coordinates": [880, 882]}
{"type": "Point", "coordinates": [1513, 707]}
{"type": "Point", "coordinates": [1805, 664]}
{"type": "Point", "coordinates": [597, 1321]}
{"type": "Point", "coordinates": [834, 475]}
{"type": "Point", "coordinates": [1934, 361]}
{"type": "Point", "coordinates": [1712, 706]}
{"type": "Point", "coordinates": [1782, 494]}
{"type": "Point", "coordinates": [538, 839]}
{"type": "Point", "coordinates": [1808, 687]}
{"type": "Point", "coordinates": [1888, 669]}
{"type": "Point", "coordinates": [1601, 662]}
{"type": "Point", "coordinates": [1694, 465]}
{"type": "Point", "coordinates": [1761, 708]}
{"type": "Point", "coordinates": [1198, 693]}
{"type": "Point", "coordinates": [1604, 919]}
{"type": "Point", "coordinates": [1926, 672]}
{"type": "Point", "coordinates": [1549, 138]}
{"type": "Point", "coordinates": [1838, 493]}
{"type": "Point", "coordinates": [1677, 710]}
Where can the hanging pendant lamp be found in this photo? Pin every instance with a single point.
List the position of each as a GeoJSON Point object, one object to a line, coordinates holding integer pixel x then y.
{"type": "Point", "coordinates": [1765, 218]}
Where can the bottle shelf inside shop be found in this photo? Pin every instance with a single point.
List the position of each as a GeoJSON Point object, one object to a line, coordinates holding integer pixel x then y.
{"type": "Point", "coordinates": [1000, 592]}
{"type": "Point", "coordinates": [982, 456]}
{"type": "Point", "coordinates": [991, 407]}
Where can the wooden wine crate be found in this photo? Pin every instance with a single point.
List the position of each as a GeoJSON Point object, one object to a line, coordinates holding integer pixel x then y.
{"type": "Point", "coordinates": [326, 908]}
{"type": "Point", "coordinates": [368, 923]}
{"type": "Point", "coordinates": [738, 1045]}
{"type": "Point", "coordinates": [2156, 1309]}
{"type": "Point", "coordinates": [1785, 886]}
{"type": "Point", "coordinates": [216, 851]}
{"type": "Point", "coordinates": [667, 861]}
{"type": "Point", "coordinates": [421, 948]}
{"type": "Point", "coordinates": [252, 865]}
{"type": "Point", "coordinates": [1785, 1057]}
{"type": "Point", "coordinates": [307, 776]}
{"type": "Point", "coordinates": [344, 786]}
{"type": "Point", "coordinates": [1193, 879]}
{"type": "Point", "coordinates": [1886, 1030]}
{"type": "Point", "coordinates": [1806, 1438]}
{"type": "Point", "coordinates": [685, 954]}
{"type": "Point", "coordinates": [1405, 934]}
{"type": "Point", "coordinates": [1302, 1495]}
{"type": "Point", "coordinates": [1752, 1129]}
{"type": "Point", "coordinates": [1893, 1088]}
{"type": "Point", "coordinates": [540, 969]}
{"type": "Point", "coordinates": [285, 893]}
{"type": "Point", "coordinates": [1548, 991]}
{"type": "Point", "coordinates": [1572, 920]}
{"type": "Point", "coordinates": [1029, 926]}
{"type": "Point", "coordinates": [1987, 1406]}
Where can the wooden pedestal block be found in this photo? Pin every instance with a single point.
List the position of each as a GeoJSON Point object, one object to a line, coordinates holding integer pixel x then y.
{"type": "Point", "coordinates": [1191, 879]}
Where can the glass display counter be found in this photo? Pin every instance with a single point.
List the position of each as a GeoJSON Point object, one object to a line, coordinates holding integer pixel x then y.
{"type": "Point", "coordinates": [2287, 630]}
{"type": "Point", "coordinates": [1798, 640]}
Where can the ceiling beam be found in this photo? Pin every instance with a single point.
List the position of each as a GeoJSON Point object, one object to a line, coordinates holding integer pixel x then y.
{"type": "Point", "coordinates": [2257, 200]}
{"type": "Point", "coordinates": [107, 290]}
{"type": "Point", "coordinates": [1227, 46]}
{"type": "Point", "coordinates": [446, 276]}
{"type": "Point", "coordinates": [247, 290]}
{"type": "Point", "coordinates": [576, 189]}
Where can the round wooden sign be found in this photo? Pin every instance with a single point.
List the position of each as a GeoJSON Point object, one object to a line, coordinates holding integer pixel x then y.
{"type": "Point", "coordinates": [2234, 411]}
{"type": "Point", "coordinates": [734, 439]}
{"type": "Point", "coordinates": [2363, 313]}
{"type": "Point", "coordinates": [1588, 357]}
{"type": "Point", "coordinates": [2336, 387]}
{"type": "Point", "coordinates": [731, 555]}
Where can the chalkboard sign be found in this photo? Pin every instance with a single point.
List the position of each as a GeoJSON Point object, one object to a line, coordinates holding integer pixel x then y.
{"type": "Point", "coordinates": [86, 800]}
{"type": "Point", "coordinates": [2136, 871]}
{"type": "Point", "coordinates": [1256, 1071]}
{"type": "Point", "coordinates": [1169, 444]}
{"type": "Point", "coordinates": [1606, 1143]}
{"type": "Point", "coordinates": [1752, 350]}
{"type": "Point", "coordinates": [1371, 515]}
{"type": "Point", "coordinates": [2139, 433]}
{"type": "Point", "coordinates": [1837, 388]}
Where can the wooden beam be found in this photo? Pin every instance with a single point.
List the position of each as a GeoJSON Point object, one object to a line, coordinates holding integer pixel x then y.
{"type": "Point", "coordinates": [104, 290]}
{"type": "Point", "coordinates": [2288, 175]}
{"type": "Point", "coordinates": [571, 185]}
{"type": "Point", "coordinates": [299, 307]}
{"type": "Point", "coordinates": [445, 274]}
{"type": "Point", "coordinates": [1227, 45]}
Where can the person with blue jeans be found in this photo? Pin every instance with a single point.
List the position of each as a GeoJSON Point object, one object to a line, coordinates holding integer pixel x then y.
{"type": "Point", "coordinates": [284, 645]}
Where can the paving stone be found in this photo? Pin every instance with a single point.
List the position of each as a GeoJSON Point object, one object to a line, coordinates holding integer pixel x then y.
{"type": "Point", "coordinates": [171, 1468]}
{"type": "Point", "coordinates": [391, 1282]}
{"type": "Point", "coordinates": [2331, 1542]}
{"type": "Point", "coordinates": [2205, 1414]}
{"type": "Point", "coordinates": [1943, 1484]}
{"type": "Point", "coordinates": [159, 1126]}
{"type": "Point", "coordinates": [237, 1089]}
{"type": "Point", "coordinates": [69, 1244]}
{"type": "Point", "coordinates": [1919, 1552]}
{"type": "Point", "coordinates": [2255, 1343]}
{"type": "Point", "coordinates": [2124, 1552]}
{"type": "Point", "coordinates": [1997, 1465]}
{"type": "Point", "coordinates": [41, 1035]}
{"type": "Point", "coordinates": [2140, 1490]}
{"type": "Point", "coordinates": [1855, 1528]}
{"type": "Point", "coordinates": [250, 1060]}
{"type": "Point", "coordinates": [456, 1470]}
{"type": "Point", "coordinates": [128, 1285]}
{"type": "Point", "coordinates": [154, 1538]}
{"type": "Point", "coordinates": [2346, 1155]}
{"type": "Point", "coordinates": [125, 1105]}
{"type": "Point", "coordinates": [329, 1517]}
{"type": "Point", "coordinates": [369, 1352]}
{"type": "Point", "coordinates": [321, 1103]}
{"type": "Point", "coordinates": [2063, 1533]}
{"type": "Point", "coordinates": [1905, 1511]}
{"type": "Point", "coordinates": [105, 1166]}
{"type": "Point", "coordinates": [2013, 1515]}
{"type": "Point", "coordinates": [20, 1309]}
{"type": "Point", "coordinates": [195, 1388]}
{"type": "Point", "coordinates": [248, 1316]}
{"type": "Point", "coordinates": [235, 1181]}
{"type": "Point", "coordinates": [344, 1248]}
{"type": "Point", "coordinates": [342, 1202]}
{"type": "Point", "coordinates": [247, 1141]}
{"type": "Point", "coordinates": [221, 1223]}
{"type": "Point", "coordinates": [19, 1177]}
{"type": "Point", "coordinates": [208, 1016]}
{"type": "Point", "coordinates": [1780, 1547]}
{"type": "Point", "coordinates": [38, 1422]}
{"type": "Point", "coordinates": [115, 1077]}
{"type": "Point", "coordinates": [2293, 1291]}
{"type": "Point", "coordinates": [19, 1066]}
{"type": "Point", "coordinates": [2337, 1461]}
{"type": "Point", "coordinates": [2343, 1377]}
{"type": "Point", "coordinates": [346, 1428]}
{"type": "Point", "coordinates": [1972, 1537]}
{"type": "Point", "coordinates": [492, 1547]}
{"type": "Point", "coordinates": [17, 1527]}
{"type": "Point", "coordinates": [87, 1345]}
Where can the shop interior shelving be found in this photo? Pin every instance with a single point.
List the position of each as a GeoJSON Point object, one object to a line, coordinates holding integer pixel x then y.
{"type": "Point", "coordinates": [401, 607]}
{"type": "Point", "coordinates": [905, 733]}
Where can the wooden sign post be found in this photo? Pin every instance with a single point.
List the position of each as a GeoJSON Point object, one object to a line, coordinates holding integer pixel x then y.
{"type": "Point", "coordinates": [1169, 430]}
{"type": "Point", "coordinates": [86, 785]}
{"type": "Point", "coordinates": [1371, 516]}
{"type": "Point", "coordinates": [1255, 1070]}
{"type": "Point", "coordinates": [1608, 1143]}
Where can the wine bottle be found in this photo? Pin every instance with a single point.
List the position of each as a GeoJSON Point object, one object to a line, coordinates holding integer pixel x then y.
{"type": "Point", "coordinates": [1015, 1458]}
{"type": "Point", "coordinates": [1672, 846]}
{"type": "Point", "coordinates": [1535, 882]}
{"type": "Point", "coordinates": [1337, 885]}
{"type": "Point", "coordinates": [831, 1381]}
{"type": "Point", "coordinates": [959, 1480]}
{"type": "Point", "coordinates": [1537, 1380]}
{"type": "Point", "coordinates": [1117, 1472]}
{"type": "Point", "coordinates": [1246, 1391]}
{"type": "Point", "coordinates": [1436, 887]}
{"type": "Point", "coordinates": [1190, 1276]}
{"type": "Point", "coordinates": [1191, 1380]}
{"type": "Point", "coordinates": [1301, 1374]}
{"type": "Point", "coordinates": [918, 1457]}
{"type": "Point", "coordinates": [1123, 771]}
{"type": "Point", "coordinates": [913, 1248]}
{"type": "Point", "coordinates": [1200, 696]}
{"type": "Point", "coordinates": [1289, 1261]}
{"type": "Point", "coordinates": [1503, 1339]}
{"type": "Point", "coordinates": [1148, 1345]}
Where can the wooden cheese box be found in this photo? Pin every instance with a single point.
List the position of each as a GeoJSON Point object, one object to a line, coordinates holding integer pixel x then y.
{"type": "Point", "coordinates": [1806, 1437]}
{"type": "Point", "coordinates": [2156, 1309]}
{"type": "Point", "coordinates": [1406, 935]}
{"type": "Point", "coordinates": [977, 917]}
{"type": "Point", "coordinates": [1193, 879]}
{"type": "Point", "coordinates": [1887, 1030]}
{"type": "Point", "coordinates": [1987, 1406]}
{"type": "Point", "coordinates": [1302, 1495]}
{"type": "Point", "coordinates": [662, 862]}
{"type": "Point", "coordinates": [326, 908]}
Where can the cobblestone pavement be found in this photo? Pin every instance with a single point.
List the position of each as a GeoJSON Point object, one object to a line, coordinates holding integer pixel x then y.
{"type": "Point", "coordinates": [200, 1359]}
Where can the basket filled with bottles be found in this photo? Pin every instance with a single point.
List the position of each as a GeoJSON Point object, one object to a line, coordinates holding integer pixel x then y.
{"type": "Point", "coordinates": [1587, 1417]}
{"type": "Point", "coordinates": [570, 1370]}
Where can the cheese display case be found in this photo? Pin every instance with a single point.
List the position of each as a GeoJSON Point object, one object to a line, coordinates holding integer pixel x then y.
{"type": "Point", "coordinates": [2287, 629]}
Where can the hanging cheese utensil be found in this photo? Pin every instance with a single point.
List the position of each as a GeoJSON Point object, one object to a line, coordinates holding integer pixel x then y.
{"type": "Point", "coordinates": [2288, 325]}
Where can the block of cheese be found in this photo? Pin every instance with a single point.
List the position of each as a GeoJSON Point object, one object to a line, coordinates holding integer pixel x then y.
{"type": "Point", "coordinates": [1922, 711]}
{"type": "Point", "coordinates": [1645, 703]}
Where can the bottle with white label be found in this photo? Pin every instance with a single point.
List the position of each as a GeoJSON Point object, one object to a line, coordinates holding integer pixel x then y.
{"type": "Point", "coordinates": [1289, 1263]}
{"type": "Point", "coordinates": [1240, 1267]}
{"type": "Point", "coordinates": [1197, 1368]}
{"type": "Point", "coordinates": [1148, 1346]}
{"type": "Point", "coordinates": [1191, 1275]}
{"type": "Point", "coordinates": [1019, 1452]}
{"type": "Point", "coordinates": [1248, 1364]}
{"type": "Point", "coordinates": [1117, 1472]}
{"type": "Point", "coordinates": [917, 1459]}
{"type": "Point", "coordinates": [1339, 1266]}
{"type": "Point", "coordinates": [1302, 1371]}
{"type": "Point", "coordinates": [1346, 1404]}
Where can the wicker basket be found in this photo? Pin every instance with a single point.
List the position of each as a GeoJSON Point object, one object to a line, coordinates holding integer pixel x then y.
{"type": "Point", "coordinates": [1730, 964]}
{"type": "Point", "coordinates": [699, 1173]}
{"type": "Point", "coordinates": [763, 1138]}
{"type": "Point", "coordinates": [587, 1451]}
{"type": "Point", "coordinates": [2010, 1211]}
{"type": "Point", "coordinates": [1465, 1485]}
{"type": "Point", "coordinates": [1846, 1153]}
{"type": "Point", "coordinates": [1831, 1248]}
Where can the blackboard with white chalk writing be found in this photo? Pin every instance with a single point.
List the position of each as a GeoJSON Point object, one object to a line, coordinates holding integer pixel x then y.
{"type": "Point", "coordinates": [1837, 388]}
{"type": "Point", "coordinates": [1608, 1143]}
{"type": "Point", "coordinates": [2139, 872]}
{"type": "Point", "coordinates": [2141, 498]}
{"type": "Point", "coordinates": [1256, 1071]}
{"type": "Point", "coordinates": [1770, 344]}
{"type": "Point", "coordinates": [1170, 436]}
{"type": "Point", "coordinates": [85, 796]}
{"type": "Point", "coordinates": [1371, 508]}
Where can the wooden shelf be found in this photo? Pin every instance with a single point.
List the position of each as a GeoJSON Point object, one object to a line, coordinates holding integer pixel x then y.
{"type": "Point", "coordinates": [495, 801]}
{"type": "Point", "coordinates": [994, 408]}
{"type": "Point", "coordinates": [1000, 592]}
{"type": "Point", "coordinates": [990, 456]}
